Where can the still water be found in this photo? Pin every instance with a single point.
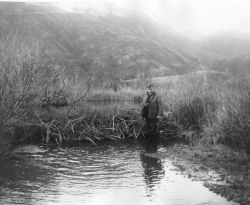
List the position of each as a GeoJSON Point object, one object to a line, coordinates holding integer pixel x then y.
{"type": "Point", "coordinates": [114, 173]}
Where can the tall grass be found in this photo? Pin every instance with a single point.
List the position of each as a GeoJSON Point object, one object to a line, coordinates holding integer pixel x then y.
{"type": "Point", "coordinates": [191, 103]}
{"type": "Point", "coordinates": [216, 111]}
{"type": "Point", "coordinates": [231, 124]}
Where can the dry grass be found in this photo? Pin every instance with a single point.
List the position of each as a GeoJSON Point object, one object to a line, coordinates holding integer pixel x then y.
{"type": "Point", "coordinates": [219, 112]}
{"type": "Point", "coordinates": [231, 124]}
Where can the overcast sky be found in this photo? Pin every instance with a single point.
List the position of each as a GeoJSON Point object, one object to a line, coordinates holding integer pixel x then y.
{"type": "Point", "coordinates": [194, 17]}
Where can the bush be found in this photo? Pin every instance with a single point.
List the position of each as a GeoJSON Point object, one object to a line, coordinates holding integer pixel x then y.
{"type": "Point", "coordinates": [26, 74]}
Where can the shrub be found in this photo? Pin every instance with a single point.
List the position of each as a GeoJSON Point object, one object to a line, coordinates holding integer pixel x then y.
{"type": "Point", "coordinates": [26, 74]}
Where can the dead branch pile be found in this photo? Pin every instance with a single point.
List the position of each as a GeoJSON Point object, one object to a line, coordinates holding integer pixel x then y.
{"type": "Point", "coordinates": [87, 126]}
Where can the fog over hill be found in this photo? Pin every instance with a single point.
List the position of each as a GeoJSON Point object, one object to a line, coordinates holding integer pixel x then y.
{"type": "Point", "coordinates": [118, 41]}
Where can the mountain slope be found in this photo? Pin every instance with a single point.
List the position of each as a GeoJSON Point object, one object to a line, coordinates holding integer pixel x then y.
{"type": "Point", "coordinates": [121, 43]}
{"type": "Point", "coordinates": [227, 52]}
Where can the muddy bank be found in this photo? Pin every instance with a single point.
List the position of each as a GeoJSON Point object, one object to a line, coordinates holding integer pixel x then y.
{"type": "Point", "coordinates": [222, 170]}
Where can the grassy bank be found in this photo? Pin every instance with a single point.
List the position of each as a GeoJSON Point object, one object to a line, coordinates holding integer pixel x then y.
{"type": "Point", "coordinates": [213, 112]}
{"type": "Point", "coordinates": [207, 107]}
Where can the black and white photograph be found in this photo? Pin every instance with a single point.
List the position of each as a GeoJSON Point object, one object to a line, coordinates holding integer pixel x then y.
{"type": "Point", "coordinates": [125, 102]}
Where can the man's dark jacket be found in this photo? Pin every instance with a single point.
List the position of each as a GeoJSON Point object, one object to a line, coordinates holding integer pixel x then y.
{"type": "Point", "coordinates": [153, 106]}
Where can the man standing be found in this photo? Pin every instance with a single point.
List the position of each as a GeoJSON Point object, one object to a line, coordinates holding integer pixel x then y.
{"type": "Point", "coordinates": [151, 110]}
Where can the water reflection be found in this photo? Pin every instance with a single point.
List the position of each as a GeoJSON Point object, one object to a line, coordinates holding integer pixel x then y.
{"type": "Point", "coordinates": [152, 167]}
{"type": "Point", "coordinates": [150, 144]}
{"type": "Point", "coordinates": [111, 174]}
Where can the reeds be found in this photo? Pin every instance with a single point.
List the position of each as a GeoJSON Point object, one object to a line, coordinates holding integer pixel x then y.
{"type": "Point", "coordinates": [215, 112]}
{"type": "Point", "coordinates": [231, 124]}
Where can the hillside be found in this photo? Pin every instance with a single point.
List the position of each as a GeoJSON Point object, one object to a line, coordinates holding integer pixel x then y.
{"type": "Point", "coordinates": [227, 52]}
{"type": "Point", "coordinates": [121, 42]}
{"type": "Point", "coordinates": [198, 78]}
{"type": "Point", "coordinates": [124, 43]}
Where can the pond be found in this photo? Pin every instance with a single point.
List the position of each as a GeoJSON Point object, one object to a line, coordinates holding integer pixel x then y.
{"type": "Point", "coordinates": [111, 173]}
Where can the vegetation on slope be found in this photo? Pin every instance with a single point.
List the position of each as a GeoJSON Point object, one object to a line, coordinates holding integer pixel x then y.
{"type": "Point", "coordinates": [121, 44]}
